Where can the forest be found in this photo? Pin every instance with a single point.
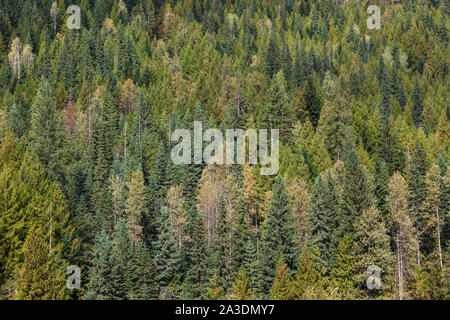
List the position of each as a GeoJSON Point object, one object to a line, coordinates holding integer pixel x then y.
{"type": "Point", "coordinates": [358, 210]}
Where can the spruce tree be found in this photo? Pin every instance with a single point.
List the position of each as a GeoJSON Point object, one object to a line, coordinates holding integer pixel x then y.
{"type": "Point", "coordinates": [273, 56]}
{"type": "Point", "coordinates": [372, 247]}
{"type": "Point", "coordinates": [41, 276]}
{"type": "Point", "coordinates": [344, 271]}
{"type": "Point", "coordinates": [100, 286]}
{"type": "Point", "coordinates": [141, 275]}
{"type": "Point", "coordinates": [417, 104]}
{"type": "Point", "coordinates": [282, 284]}
{"type": "Point", "coordinates": [278, 235]}
{"type": "Point", "coordinates": [196, 282]}
{"type": "Point", "coordinates": [356, 193]}
{"type": "Point", "coordinates": [120, 261]}
{"type": "Point", "coordinates": [322, 219]}
{"type": "Point", "coordinates": [46, 133]}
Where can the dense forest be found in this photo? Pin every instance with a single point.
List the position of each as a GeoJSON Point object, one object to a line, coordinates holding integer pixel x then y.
{"type": "Point", "coordinates": [86, 176]}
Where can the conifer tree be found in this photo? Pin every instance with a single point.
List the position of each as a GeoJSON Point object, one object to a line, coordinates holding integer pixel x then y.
{"type": "Point", "coordinates": [276, 113]}
{"type": "Point", "coordinates": [136, 206]}
{"type": "Point", "coordinates": [322, 222]}
{"type": "Point", "coordinates": [313, 101]}
{"type": "Point", "coordinates": [241, 288]}
{"type": "Point", "coordinates": [100, 286]}
{"type": "Point", "coordinates": [432, 207]}
{"type": "Point", "coordinates": [41, 276]}
{"type": "Point", "coordinates": [141, 276]}
{"type": "Point", "coordinates": [417, 195]}
{"type": "Point", "coordinates": [273, 56]}
{"type": "Point", "coordinates": [166, 254]}
{"type": "Point", "coordinates": [404, 233]}
{"type": "Point", "coordinates": [120, 261]}
{"type": "Point", "coordinates": [220, 249]}
{"type": "Point", "coordinates": [278, 235]}
{"type": "Point", "coordinates": [344, 271]}
{"type": "Point", "coordinates": [356, 193]}
{"type": "Point", "coordinates": [417, 104]}
{"type": "Point", "coordinates": [195, 284]}
{"type": "Point", "coordinates": [282, 284]}
{"type": "Point", "coordinates": [372, 247]}
{"type": "Point", "coordinates": [46, 134]}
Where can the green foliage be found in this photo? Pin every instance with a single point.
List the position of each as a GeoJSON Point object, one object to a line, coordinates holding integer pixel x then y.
{"type": "Point", "coordinates": [85, 123]}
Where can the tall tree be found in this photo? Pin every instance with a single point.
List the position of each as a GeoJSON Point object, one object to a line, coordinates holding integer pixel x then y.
{"type": "Point", "coordinates": [404, 233]}
{"type": "Point", "coordinates": [278, 235]}
{"type": "Point", "coordinates": [136, 206]}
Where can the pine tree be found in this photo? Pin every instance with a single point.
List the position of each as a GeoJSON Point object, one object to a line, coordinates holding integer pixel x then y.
{"type": "Point", "coordinates": [404, 233]}
{"type": "Point", "coordinates": [120, 261]}
{"type": "Point", "coordinates": [141, 275]}
{"type": "Point", "coordinates": [344, 271]}
{"type": "Point", "coordinates": [195, 284]}
{"type": "Point", "coordinates": [241, 288]}
{"type": "Point", "coordinates": [322, 222]}
{"type": "Point", "coordinates": [136, 206]}
{"type": "Point", "coordinates": [282, 284]}
{"type": "Point", "coordinates": [100, 286]}
{"type": "Point", "coordinates": [356, 193]}
{"type": "Point", "coordinates": [273, 56]}
{"type": "Point", "coordinates": [417, 104]}
{"type": "Point", "coordinates": [41, 276]}
{"type": "Point", "coordinates": [372, 247]}
{"type": "Point", "coordinates": [417, 195]}
{"type": "Point", "coordinates": [278, 235]}
{"type": "Point", "coordinates": [46, 133]}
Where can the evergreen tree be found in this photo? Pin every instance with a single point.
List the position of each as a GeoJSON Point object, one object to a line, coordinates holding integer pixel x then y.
{"type": "Point", "coordinates": [41, 276]}
{"type": "Point", "coordinates": [322, 222]}
{"type": "Point", "coordinates": [417, 195]}
{"type": "Point", "coordinates": [417, 104]}
{"type": "Point", "coordinates": [313, 101]}
{"type": "Point", "coordinates": [278, 235]}
{"type": "Point", "coordinates": [356, 193]}
{"type": "Point", "coordinates": [120, 261]}
{"type": "Point", "coordinates": [141, 276]}
{"type": "Point", "coordinates": [46, 133]}
{"type": "Point", "coordinates": [372, 247]}
{"type": "Point", "coordinates": [100, 286]}
{"type": "Point", "coordinates": [282, 284]}
{"type": "Point", "coordinates": [136, 206]}
{"type": "Point", "coordinates": [344, 271]}
{"type": "Point", "coordinates": [166, 254]}
{"type": "Point", "coordinates": [241, 288]}
{"type": "Point", "coordinates": [195, 285]}
{"type": "Point", "coordinates": [273, 56]}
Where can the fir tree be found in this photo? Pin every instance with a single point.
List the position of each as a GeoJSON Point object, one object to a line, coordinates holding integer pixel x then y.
{"type": "Point", "coordinates": [282, 284]}
{"type": "Point", "coordinates": [417, 104]}
{"type": "Point", "coordinates": [277, 235]}
{"type": "Point", "coordinates": [41, 276]}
